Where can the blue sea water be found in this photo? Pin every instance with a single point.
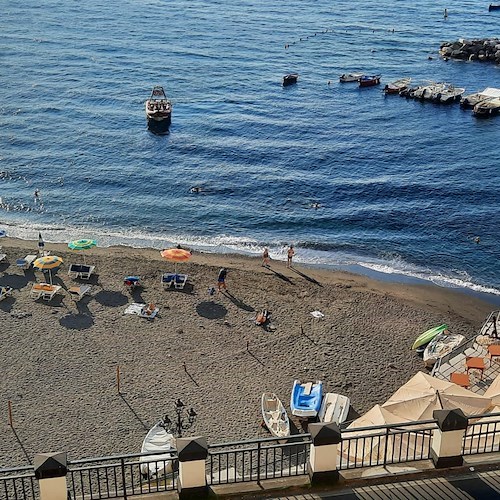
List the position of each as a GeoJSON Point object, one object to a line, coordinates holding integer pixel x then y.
{"type": "Point", "coordinates": [403, 187]}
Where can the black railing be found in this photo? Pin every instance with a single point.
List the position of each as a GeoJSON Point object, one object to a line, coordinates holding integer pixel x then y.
{"type": "Point", "coordinates": [388, 444]}
{"type": "Point", "coordinates": [482, 435]}
{"type": "Point", "coordinates": [256, 460]}
{"type": "Point", "coordinates": [18, 484]}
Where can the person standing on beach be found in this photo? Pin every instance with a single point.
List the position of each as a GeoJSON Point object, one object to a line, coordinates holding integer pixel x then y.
{"type": "Point", "coordinates": [221, 280]}
{"type": "Point", "coordinates": [265, 257]}
{"type": "Point", "coordinates": [290, 254]}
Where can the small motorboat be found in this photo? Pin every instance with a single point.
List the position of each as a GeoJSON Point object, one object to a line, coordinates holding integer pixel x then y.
{"type": "Point", "coordinates": [428, 92]}
{"type": "Point", "coordinates": [275, 416]}
{"type": "Point", "coordinates": [158, 111]}
{"type": "Point", "coordinates": [397, 86]}
{"type": "Point", "coordinates": [493, 7]}
{"type": "Point", "coordinates": [439, 346]}
{"type": "Point", "coordinates": [350, 77]}
{"type": "Point", "coordinates": [428, 335]}
{"type": "Point", "coordinates": [159, 439]}
{"type": "Point", "coordinates": [306, 398]}
{"type": "Point", "coordinates": [487, 107]}
{"type": "Point", "coordinates": [369, 80]}
{"type": "Point", "coordinates": [334, 408]}
{"type": "Point", "coordinates": [448, 94]}
{"type": "Point", "coordinates": [290, 79]}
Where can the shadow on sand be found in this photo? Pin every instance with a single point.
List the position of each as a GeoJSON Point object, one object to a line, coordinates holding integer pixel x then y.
{"type": "Point", "coordinates": [237, 302]}
{"type": "Point", "coordinates": [308, 278]}
{"type": "Point", "coordinates": [111, 299]}
{"type": "Point", "coordinates": [122, 396]}
{"type": "Point", "coordinates": [281, 276]}
{"type": "Point", "coordinates": [211, 310]}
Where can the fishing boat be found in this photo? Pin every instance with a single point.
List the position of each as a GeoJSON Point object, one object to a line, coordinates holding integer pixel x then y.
{"type": "Point", "coordinates": [158, 111]}
{"type": "Point", "coordinates": [160, 441]}
{"type": "Point", "coordinates": [275, 416]}
{"type": "Point", "coordinates": [290, 79]}
{"type": "Point", "coordinates": [448, 94]}
{"type": "Point", "coordinates": [493, 7]}
{"type": "Point", "coordinates": [470, 100]}
{"type": "Point", "coordinates": [487, 107]}
{"type": "Point", "coordinates": [428, 335]}
{"type": "Point", "coordinates": [428, 92]}
{"type": "Point", "coordinates": [306, 398]}
{"type": "Point", "coordinates": [369, 81]}
{"type": "Point", "coordinates": [439, 346]}
{"type": "Point", "coordinates": [350, 77]}
{"type": "Point", "coordinates": [334, 408]}
{"type": "Point", "coordinates": [397, 86]}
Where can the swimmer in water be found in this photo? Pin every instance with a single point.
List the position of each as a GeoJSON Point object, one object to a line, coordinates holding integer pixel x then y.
{"type": "Point", "coordinates": [315, 205]}
{"type": "Point", "coordinates": [36, 194]}
{"type": "Point", "coordinates": [477, 239]}
{"type": "Point", "coordinates": [195, 189]}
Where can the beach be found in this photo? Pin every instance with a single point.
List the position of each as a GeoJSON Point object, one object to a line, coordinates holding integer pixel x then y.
{"type": "Point", "coordinates": [59, 359]}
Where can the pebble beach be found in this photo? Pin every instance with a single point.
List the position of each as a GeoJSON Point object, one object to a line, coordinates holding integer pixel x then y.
{"type": "Point", "coordinates": [60, 358]}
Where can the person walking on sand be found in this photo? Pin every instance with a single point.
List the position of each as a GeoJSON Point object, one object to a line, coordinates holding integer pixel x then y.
{"type": "Point", "coordinates": [265, 257]}
{"type": "Point", "coordinates": [290, 254]}
{"type": "Point", "coordinates": [221, 280]}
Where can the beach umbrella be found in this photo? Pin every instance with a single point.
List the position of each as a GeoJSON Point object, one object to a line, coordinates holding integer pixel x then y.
{"type": "Point", "coordinates": [48, 263]}
{"type": "Point", "coordinates": [176, 255]}
{"type": "Point", "coordinates": [41, 244]}
{"type": "Point", "coordinates": [82, 245]}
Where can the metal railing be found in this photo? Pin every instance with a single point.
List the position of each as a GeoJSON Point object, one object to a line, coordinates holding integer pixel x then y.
{"type": "Point", "coordinates": [18, 483]}
{"type": "Point", "coordinates": [259, 459]}
{"type": "Point", "coordinates": [388, 444]}
{"type": "Point", "coordinates": [482, 435]}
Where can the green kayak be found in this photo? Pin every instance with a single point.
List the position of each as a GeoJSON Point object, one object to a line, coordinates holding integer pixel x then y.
{"type": "Point", "coordinates": [426, 337]}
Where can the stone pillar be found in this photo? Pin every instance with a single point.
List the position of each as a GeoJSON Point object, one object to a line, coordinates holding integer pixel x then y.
{"type": "Point", "coordinates": [50, 470]}
{"type": "Point", "coordinates": [322, 466]}
{"type": "Point", "coordinates": [192, 482]}
{"type": "Point", "coordinates": [446, 444]}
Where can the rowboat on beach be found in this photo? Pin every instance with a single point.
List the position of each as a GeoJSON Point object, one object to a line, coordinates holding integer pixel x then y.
{"type": "Point", "coordinates": [428, 335]}
{"type": "Point", "coordinates": [439, 346]}
{"type": "Point", "coordinates": [275, 416]}
{"type": "Point", "coordinates": [158, 111]}
{"type": "Point", "coordinates": [334, 408]}
{"type": "Point", "coordinates": [306, 398]}
{"type": "Point", "coordinates": [158, 441]}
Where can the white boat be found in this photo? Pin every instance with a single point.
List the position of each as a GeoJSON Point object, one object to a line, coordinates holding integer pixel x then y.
{"type": "Point", "coordinates": [428, 92]}
{"type": "Point", "coordinates": [449, 94]}
{"type": "Point", "coordinates": [275, 416]}
{"type": "Point", "coordinates": [440, 345]}
{"type": "Point", "coordinates": [470, 100]}
{"type": "Point", "coordinates": [159, 440]}
{"type": "Point", "coordinates": [158, 111]}
{"type": "Point", "coordinates": [487, 107]}
{"type": "Point", "coordinates": [334, 408]}
{"type": "Point", "coordinates": [350, 77]}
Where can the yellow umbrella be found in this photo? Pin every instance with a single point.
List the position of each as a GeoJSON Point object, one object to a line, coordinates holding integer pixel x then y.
{"type": "Point", "coordinates": [48, 262]}
{"type": "Point", "coordinates": [176, 255]}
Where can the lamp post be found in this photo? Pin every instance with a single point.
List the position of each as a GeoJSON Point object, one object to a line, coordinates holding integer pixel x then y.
{"type": "Point", "coordinates": [184, 419]}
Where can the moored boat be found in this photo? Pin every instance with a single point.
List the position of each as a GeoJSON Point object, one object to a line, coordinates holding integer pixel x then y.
{"type": "Point", "coordinates": [350, 77]}
{"type": "Point", "coordinates": [334, 408]}
{"type": "Point", "coordinates": [158, 111]}
{"type": "Point", "coordinates": [274, 415]}
{"type": "Point", "coordinates": [440, 345]}
{"type": "Point", "coordinates": [428, 335]}
{"type": "Point", "coordinates": [158, 441]}
{"type": "Point", "coordinates": [493, 7]}
{"type": "Point", "coordinates": [448, 94]}
{"type": "Point", "coordinates": [486, 108]}
{"type": "Point", "coordinates": [290, 79]}
{"type": "Point", "coordinates": [397, 86]}
{"type": "Point", "coordinates": [369, 80]}
{"type": "Point", "coordinates": [306, 398]}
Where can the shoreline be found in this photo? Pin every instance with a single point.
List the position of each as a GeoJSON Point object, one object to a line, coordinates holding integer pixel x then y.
{"type": "Point", "coordinates": [60, 357]}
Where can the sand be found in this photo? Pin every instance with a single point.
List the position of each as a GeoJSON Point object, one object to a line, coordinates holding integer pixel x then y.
{"type": "Point", "coordinates": [59, 359]}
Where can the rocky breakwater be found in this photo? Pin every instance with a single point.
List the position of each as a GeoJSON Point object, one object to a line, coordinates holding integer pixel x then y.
{"type": "Point", "coordinates": [472, 50]}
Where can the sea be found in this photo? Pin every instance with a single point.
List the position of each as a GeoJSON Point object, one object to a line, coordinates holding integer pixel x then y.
{"type": "Point", "coordinates": [355, 180]}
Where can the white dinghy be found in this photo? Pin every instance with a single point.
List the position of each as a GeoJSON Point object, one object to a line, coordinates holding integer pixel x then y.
{"type": "Point", "coordinates": [334, 408]}
{"type": "Point", "coordinates": [159, 440]}
{"type": "Point", "coordinates": [275, 416]}
{"type": "Point", "coordinates": [441, 345]}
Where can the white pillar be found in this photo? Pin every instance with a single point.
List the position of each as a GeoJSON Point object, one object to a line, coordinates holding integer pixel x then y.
{"type": "Point", "coordinates": [192, 481]}
{"type": "Point", "coordinates": [322, 466]}
{"type": "Point", "coordinates": [50, 470]}
{"type": "Point", "coordinates": [447, 439]}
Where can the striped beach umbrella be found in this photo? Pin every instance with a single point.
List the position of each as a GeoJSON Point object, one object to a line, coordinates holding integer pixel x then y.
{"type": "Point", "coordinates": [81, 245]}
{"type": "Point", "coordinates": [48, 263]}
{"type": "Point", "coordinates": [176, 255]}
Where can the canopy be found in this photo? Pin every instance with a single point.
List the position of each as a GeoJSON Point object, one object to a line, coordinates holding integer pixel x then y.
{"type": "Point", "coordinates": [176, 255]}
{"type": "Point", "coordinates": [422, 394]}
{"type": "Point", "coordinates": [493, 391]}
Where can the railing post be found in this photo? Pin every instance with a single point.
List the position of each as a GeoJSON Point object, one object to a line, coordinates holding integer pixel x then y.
{"type": "Point", "coordinates": [258, 462]}
{"type": "Point", "coordinates": [386, 445]}
{"type": "Point", "coordinates": [192, 483]}
{"type": "Point", "coordinates": [124, 482]}
{"type": "Point", "coordinates": [447, 439]}
{"type": "Point", "coordinates": [322, 466]}
{"type": "Point", "coordinates": [51, 470]}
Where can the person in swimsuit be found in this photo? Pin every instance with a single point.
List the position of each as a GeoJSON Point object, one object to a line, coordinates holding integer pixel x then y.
{"type": "Point", "coordinates": [221, 280]}
{"type": "Point", "coordinates": [290, 254]}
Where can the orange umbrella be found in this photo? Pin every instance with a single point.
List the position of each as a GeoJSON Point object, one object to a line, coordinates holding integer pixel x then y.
{"type": "Point", "coordinates": [176, 255]}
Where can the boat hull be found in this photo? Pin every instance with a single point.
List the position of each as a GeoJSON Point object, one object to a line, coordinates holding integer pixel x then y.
{"type": "Point", "coordinates": [305, 401]}
{"type": "Point", "coordinates": [428, 335]}
{"type": "Point", "coordinates": [439, 346]}
{"type": "Point", "coordinates": [158, 442]}
{"type": "Point", "coordinates": [274, 415]}
{"type": "Point", "coordinates": [159, 126]}
{"type": "Point", "coordinates": [334, 408]}
{"type": "Point", "coordinates": [369, 81]}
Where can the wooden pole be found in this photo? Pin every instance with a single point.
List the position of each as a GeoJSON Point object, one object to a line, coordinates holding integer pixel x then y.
{"type": "Point", "coordinates": [9, 403]}
{"type": "Point", "coordinates": [184, 365]}
{"type": "Point", "coordinates": [118, 378]}
{"type": "Point", "coordinates": [248, 345]}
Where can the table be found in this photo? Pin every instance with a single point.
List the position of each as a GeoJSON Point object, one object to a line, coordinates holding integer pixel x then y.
{"type": "Point", "coordinates": [475, 364]}
{"type": "Point", "coordinates": [494, 350]}
{"type": "Point", "coordinates": [461, 379]}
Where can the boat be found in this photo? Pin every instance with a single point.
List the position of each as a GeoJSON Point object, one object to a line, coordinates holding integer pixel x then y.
{"type": "Point", "coordinates": [158, 111]}
{"type": "Point", "coordinates": [397, 86]}
{"type": "Point", "coordinates": [409, 91]}
{"type": "Point", "coordinates": [275, 416]}
{"type": "Point", "coordinates": [290, 79]}
{"type": "Point", "coordinates": [439, 346]}
{"type": "Point", "coordinates": [369, 81]}
{"type": "Point", "coordinates": [469, 101]}
{"type": "Point", "coordinates": [428, 92]}
{"type": "Point", "coordinates": [350, 77]}
{"type": "Point", "coordinates": [448, 94]}
{"type": "Point", "coordinates": [306, 398]}
{"type": "Point", "coordinates": [487, 107]}
{"type": "Point", "coordinates": [493, 7]}
{"type": "Point", "coordinates": [334, 408]}
{"type": "Point", "coordinates": [159, 439]}
{"type": "Point", "coordinates": [428, 335]}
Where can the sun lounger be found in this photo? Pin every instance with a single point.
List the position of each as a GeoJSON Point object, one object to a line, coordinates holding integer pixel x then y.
{"type": "Point", "coordinates": [180, 280]}
{"type": "Point", "coordinates": [132, 282]}
{"type": "Point", "coordinates": [81, 271]}
{"type": "Point", "coordinates": [44, 290]}
{"type": "Point", "coordinates": [168, 279]}
{"type": "Point", "coordinates": [5, 291]}
{"type": "Point", "coordinates": [3, 256]}
{"type": "Point", "coordinates": [77, 292]}
{"type": "Point", "coordinates": [26, 262]}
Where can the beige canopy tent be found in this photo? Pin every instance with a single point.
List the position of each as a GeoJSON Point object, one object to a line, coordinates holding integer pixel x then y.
{"type": "Point", "coordinates": [422, 394]}
{"type": "Point", "coordinates": [493, 391]}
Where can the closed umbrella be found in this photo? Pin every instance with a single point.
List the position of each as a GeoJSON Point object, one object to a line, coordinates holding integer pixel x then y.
{"type": "Point", "coordinates": [48, 263]}
{"type": "Point", "coordinates": [41, 244]}
{"type": "Point", "coordinates": [176, 255]}
{"type": "Point", "coordinates": [82, 245]}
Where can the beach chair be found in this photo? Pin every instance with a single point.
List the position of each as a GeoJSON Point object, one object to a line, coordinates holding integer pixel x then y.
{"type": "Point", "coordinates": [180, 280]}
{"type": "Point", "coordinates": [81, 271]}
{"type": "Point", "coordinates": [44, 291]}
{"type": "Point", "coordinates": [26, 262]}
{"type": "Point", "coordinates": [132, 282]}
{"type": "Point", "coordinates": [167, 280]}
{"type": "Point", "coordinates": [5, 291]}
{"type": "Point", "coordinates": [77, 292]}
